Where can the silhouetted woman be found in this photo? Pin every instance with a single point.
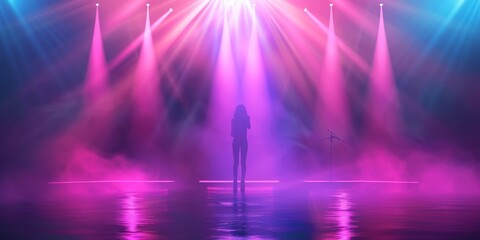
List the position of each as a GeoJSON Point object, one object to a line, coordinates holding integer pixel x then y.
{"type": "Point", "coordinates": [240, 124]}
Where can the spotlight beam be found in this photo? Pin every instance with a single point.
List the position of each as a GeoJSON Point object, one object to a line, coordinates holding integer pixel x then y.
{"type": "Point", "coordinates": [135, 43]}
{"type": "Point", "coordinates": [332, 85]}
{"type": "Point", "coordinates": [97, 72]}
{"type": "Point", "coordinates": [145, 95]}
{"type": "Point", "coordinates": [360, 63]}
{"type": "Point", "coordinates": [383, 96]}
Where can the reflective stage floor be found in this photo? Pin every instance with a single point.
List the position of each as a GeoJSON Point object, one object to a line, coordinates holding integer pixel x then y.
{"type": "Point", "coordinates": [263, 212]}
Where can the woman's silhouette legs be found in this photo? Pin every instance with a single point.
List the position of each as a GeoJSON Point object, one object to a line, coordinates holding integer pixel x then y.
{"type": "Point", "coordinates": [236, 149]}
{"type": "Point", "coordinates": [240, 148]}
{"type": "Point", "coordinates": [243, 152]}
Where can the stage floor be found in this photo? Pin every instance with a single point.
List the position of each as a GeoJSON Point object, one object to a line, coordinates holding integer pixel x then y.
{"type": "Point", "coordinates": [263, 212]}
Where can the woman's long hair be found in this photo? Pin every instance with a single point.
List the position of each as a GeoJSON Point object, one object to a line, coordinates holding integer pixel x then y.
{"type": "Point", "coordinates": [240, 112]}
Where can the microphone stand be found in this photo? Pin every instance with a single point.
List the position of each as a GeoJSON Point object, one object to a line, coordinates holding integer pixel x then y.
{"type": "Point", "coordinates": [331, 138]}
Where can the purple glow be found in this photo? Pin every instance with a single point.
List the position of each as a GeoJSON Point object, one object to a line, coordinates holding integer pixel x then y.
{"type": "Point", "coordinates": [254, 93]}
{"type": "Point", "coordinates": [225, 96]}
{"type": "Point", "coordinates": [161, 107]}
{"type": "Point", "coordinates": [84, 169]}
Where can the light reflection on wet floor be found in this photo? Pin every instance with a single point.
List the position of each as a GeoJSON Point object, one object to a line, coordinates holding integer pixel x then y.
{"type": "Point", "coordinates": [260, 213]}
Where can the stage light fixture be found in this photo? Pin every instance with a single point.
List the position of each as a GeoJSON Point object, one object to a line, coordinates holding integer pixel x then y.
{"type": "Point", "coordinates": [97, 4]}
{"type": "Point", "coordinates": [170, 10]}
{"type": "Point", "coordinates": [331, 4]}
{"type": "Point", "coordinates": [148, 4]}
{"type": "Point", "coordinates": [381, 4]}
{"type": "Point", "coordinates": [306, 10]}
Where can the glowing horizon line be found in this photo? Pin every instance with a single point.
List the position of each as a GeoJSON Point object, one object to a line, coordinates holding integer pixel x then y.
{"type": "Point", "coordinates": [231, 181]}
{"type": "Point", "coordinates": [112, 181]}
{"type": "Point", "coordinates": [360, 181]}
{"type": "Point", "coordinates": [249, 188]}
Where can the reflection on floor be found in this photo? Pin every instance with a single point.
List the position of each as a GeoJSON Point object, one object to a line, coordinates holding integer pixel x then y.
{"type": "Point", "coordinates": [267, 211]}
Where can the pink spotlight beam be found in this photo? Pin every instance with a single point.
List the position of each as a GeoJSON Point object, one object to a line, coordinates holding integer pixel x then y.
{"type": "Point", "coordinates": [332, 84]}
{"type": "Point", "coordinates": [231, 181]}
{"type": "Point", "coordinates": [137, 42]}
{"type": "Point", "coordinates": [111, 181]}
{"type": "Point", "coordinates": [97, 73]}
{"type": "Point", "coordinates": [360, 63]}
{"type": "Point", "coordinates": [384, 104]}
